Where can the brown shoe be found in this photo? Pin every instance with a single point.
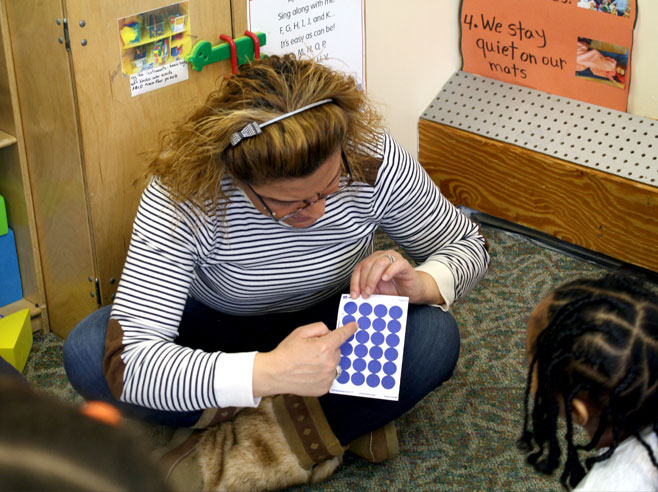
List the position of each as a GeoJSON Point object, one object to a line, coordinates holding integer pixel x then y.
{"type": "Point", "coordinates": [378, 445]}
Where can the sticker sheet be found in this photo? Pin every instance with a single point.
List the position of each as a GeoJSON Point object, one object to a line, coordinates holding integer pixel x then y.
{"type": "Point", "coordinates": [371, 360]}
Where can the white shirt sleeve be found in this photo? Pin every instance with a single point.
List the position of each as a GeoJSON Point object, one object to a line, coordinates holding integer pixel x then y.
{"type": "Point", "coordinates": [236, 391]}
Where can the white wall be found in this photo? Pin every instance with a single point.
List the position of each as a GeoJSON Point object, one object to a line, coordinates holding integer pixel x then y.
{"type": "Point", "coordinates": [643, 98]}
{"type": "Point", "coordinates": [412, 49]}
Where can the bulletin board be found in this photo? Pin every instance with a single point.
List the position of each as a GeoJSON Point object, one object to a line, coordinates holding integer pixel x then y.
{"type": "Point", "coordinates": [580, 49]}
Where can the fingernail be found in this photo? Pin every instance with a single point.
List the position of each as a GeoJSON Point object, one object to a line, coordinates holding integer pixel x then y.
{"type": "Point", "coordinates": [353, 294]}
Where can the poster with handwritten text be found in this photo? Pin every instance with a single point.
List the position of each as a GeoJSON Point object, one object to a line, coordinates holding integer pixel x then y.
{"type": "Point", "coordinates": [329, 30]}
{"type": "Point", "coordinates": [580, 49]}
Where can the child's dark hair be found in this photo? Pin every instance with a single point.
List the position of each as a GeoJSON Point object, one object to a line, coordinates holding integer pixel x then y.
{"type": "Point", "coordinates": [600, 342]}
{"type": "Point", "coordinates": [46, 444]}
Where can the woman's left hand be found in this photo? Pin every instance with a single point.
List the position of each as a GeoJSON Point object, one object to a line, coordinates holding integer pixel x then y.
{"type": "Point", "coordinates": [389, 273]}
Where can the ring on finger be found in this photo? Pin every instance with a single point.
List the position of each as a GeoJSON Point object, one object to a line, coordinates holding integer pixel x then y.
{"type": "Point", "coordinates": [339, 370]}
{"type": "Point", "coordinates": [390, 257]}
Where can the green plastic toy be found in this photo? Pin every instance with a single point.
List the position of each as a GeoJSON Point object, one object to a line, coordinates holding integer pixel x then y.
{"type": "Point", "coordinates": [4, 226]}
{"type": "Point", "coordinates": [203, 53]}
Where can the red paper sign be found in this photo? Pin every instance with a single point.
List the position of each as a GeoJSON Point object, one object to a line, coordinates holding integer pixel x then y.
{"type": "Point", "coordinates": [579, 49]}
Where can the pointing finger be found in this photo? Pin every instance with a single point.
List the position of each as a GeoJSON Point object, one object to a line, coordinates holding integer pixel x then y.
{"type": "Point", "coordinates": [341, 334]}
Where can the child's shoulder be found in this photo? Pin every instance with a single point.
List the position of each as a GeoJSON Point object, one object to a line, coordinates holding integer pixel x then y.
{"type": "Point", "coordinates": [628, 469]}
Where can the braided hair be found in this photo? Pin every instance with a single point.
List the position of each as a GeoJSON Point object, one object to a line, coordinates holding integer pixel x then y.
{"type": "Point", "coordinates": [600, 342]}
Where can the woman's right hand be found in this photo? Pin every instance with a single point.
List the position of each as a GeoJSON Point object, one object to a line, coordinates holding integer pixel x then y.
{"type": "Point", "coordinates": [303, 364]}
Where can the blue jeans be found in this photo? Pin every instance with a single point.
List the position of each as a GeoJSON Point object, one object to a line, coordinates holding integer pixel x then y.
{"type": "Point", "coordinates": [431, 351]}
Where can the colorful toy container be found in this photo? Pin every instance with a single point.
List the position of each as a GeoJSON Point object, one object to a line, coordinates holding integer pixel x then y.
{"type": "Point", "coordinates": [161, 52]}
{"type": "Point", "coordinates": [155, 24]}
{"type": "Point", "coordinates": [139, 57]}
{"type": "Point", "coordinates": [131, 33]}
{"type": "Point", "coordinates": [16, 338]}
{"type": "Point", "coordinates": [177, 23]}
{"type": "Point", "coordinates": [176, 51]}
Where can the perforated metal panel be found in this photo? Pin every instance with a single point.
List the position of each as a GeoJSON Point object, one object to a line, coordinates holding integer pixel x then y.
{"type": "Point", "coordinates": [611, 141]}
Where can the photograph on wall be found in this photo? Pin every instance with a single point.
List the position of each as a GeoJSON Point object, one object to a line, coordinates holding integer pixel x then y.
{"type": "Point", "coordinates": [154, 38]}
{"type": "Point", "coordinates": [621, 8]}
{"type": "Point", "coordinates": [602, 62]}
{"type": "Point", "coordinates": [578, 50]}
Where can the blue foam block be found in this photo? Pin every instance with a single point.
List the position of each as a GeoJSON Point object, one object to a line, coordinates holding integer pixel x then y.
{"type": "Point", "coordinates": [11, 289]}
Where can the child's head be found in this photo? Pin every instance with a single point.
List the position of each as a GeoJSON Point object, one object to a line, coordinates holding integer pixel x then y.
{"type": "Point", "coordinates": [593, 352]}
{"type": "Point", "coordinates": [46, 444]}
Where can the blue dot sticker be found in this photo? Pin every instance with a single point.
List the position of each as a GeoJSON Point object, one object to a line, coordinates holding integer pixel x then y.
{"type": "Point", "coordinates": [374, 366]}
{"type": "Point", "coordinates": [359, 365]}
{"type": "Point", "coordinates": [376, 352]}
{"type": "Point", "coordinates": [379, 324]}
{"type": "Point", "coordinates": [364, 322]}
{"type": "Point", "coordinates": [343, 378]}
{"type": "Point", "coordinates": [360, 350]}
{"type": "Point", "coordinates": [377, 338]}
{"type": "Point", "coordinates": [380, 310]}
{"type": "Point", "coordinates": [394, 326]}
{"type": "Point", "coordinates": [346, 349]}
{"type": "Point", "coordinates": [357, 379]}
{"type": "Point", "coordinates": [391, 354]}
{"type": "Point", "coordinates": [388, 382]}
{"type": "Point", "coordinates": [350, 307]}
{"type": "Point", "coordinates": [365, 309]}
{"type": "Point", "coordinates": [392, 340]}
{"type": "Point", "coordinates": [348, 319]}
{"type": "Point", "coordinates": [395, 312]}
{"type": "Point", "coordinates": [373, 380]}
{"type": "Point", "coordinates": [390, 368]}
{"type": "Point", "coordinates": [362, 336]}
{"type": "Point", "coordinates": [345, 363]}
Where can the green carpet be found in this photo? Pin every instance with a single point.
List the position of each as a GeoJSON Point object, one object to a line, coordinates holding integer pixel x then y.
{"type": "Point", "coordinates": [462, 436]}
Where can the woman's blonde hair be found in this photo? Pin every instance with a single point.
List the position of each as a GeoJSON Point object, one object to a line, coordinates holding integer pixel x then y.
{"type": "Point", "coordinates": [197, 155]}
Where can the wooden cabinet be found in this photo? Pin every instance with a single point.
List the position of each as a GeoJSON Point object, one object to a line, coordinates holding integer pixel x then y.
{"type": "Point", "coordinates": [15, 188]}
{"type": "Point", "coordinates": [75, 173]}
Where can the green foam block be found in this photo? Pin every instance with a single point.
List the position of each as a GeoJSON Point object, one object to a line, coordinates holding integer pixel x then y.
{"type": "Point", "coordinates": [4, 226]}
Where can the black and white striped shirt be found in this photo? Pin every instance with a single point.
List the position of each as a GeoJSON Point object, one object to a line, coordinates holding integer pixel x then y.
{"type": "Point", "coordinates": [246, 263]}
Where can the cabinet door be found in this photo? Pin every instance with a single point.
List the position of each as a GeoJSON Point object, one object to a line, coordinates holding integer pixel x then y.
{"type": "Point", "coordinates": [47, 109]}
{"type": "Point", "coordinates": [116, 128]}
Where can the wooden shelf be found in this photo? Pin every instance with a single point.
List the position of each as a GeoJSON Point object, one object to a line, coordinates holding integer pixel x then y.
{"type": "Point", "coordinates": [6, 139]}
{"type": "Point", "coordinates": [35, 311]}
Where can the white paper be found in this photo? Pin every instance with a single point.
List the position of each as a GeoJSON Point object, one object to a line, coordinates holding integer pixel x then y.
{"type": "Point", "coordinates": [329, 30]}
{"type": "Point", "coordinates": [158, 77]}
{"type": "Point", "coordinates": [371, 360]}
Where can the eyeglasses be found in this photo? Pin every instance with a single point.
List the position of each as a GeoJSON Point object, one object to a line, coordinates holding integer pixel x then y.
{"type": "Point", "coordinates": [343, 184]}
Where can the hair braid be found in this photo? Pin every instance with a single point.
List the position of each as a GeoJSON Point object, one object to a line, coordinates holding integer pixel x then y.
{"type": "Point", "coordinates": [573, 470]}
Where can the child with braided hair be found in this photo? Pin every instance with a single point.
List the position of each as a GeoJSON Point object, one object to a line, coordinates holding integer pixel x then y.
{"type": "Point", "coordinates": [593, 353]}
